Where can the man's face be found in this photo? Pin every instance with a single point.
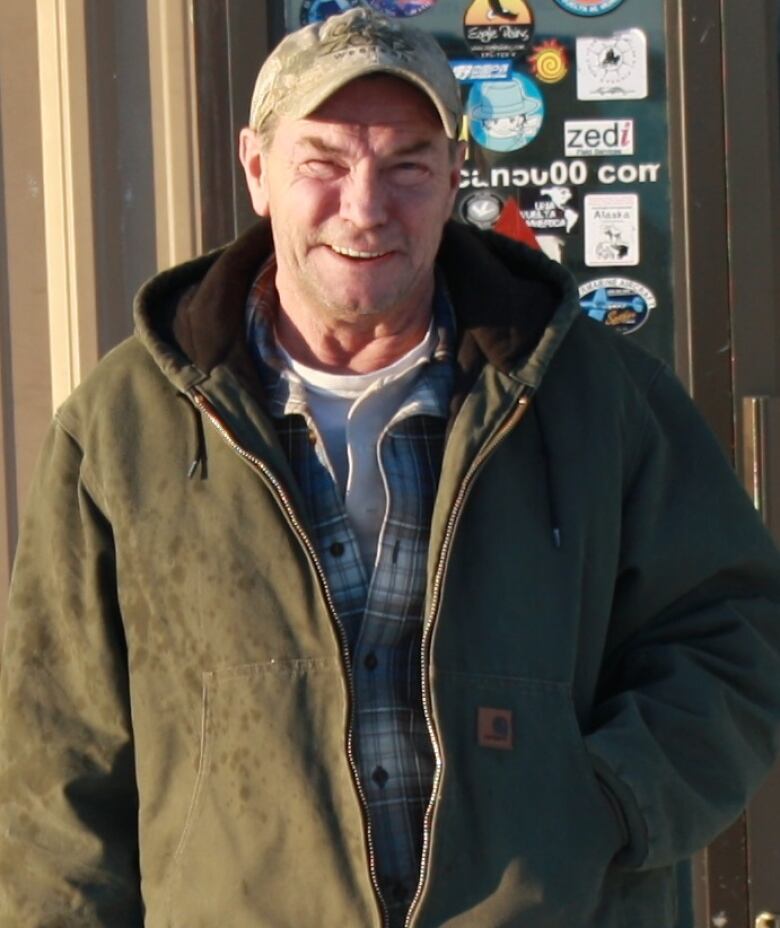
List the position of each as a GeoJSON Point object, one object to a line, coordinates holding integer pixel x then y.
{"type": "Point", "coordinates": [358, 194]}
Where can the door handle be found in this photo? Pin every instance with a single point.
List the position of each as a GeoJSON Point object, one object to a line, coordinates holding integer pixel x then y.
{"type": "Point", "coordinates": [768, 920]}
{"type": "Point", "coordinates": [761, 460]}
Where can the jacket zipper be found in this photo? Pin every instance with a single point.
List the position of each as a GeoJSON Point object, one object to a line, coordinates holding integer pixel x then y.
{"type": "Point", "coordinates": [512, 419]}
{"type": "Point", "coordinates": [273, 481]}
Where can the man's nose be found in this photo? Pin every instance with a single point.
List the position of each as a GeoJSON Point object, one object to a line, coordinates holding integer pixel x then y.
{"type": "Point", "coordinates": [364, 198]}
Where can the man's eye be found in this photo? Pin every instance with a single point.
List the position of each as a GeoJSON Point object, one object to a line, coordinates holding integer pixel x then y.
{"type": "Point", "coordinates": [409, 172]}
{"type": "Point", "coordinates": [320, 169]}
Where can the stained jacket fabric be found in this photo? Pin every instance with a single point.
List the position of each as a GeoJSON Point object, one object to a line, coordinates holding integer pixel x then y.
{"type": "Point", "coordinates": [601, 649]}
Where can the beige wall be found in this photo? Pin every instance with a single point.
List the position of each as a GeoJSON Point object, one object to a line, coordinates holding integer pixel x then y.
{"type": "Point", "coordinates": [98, 189]}
{"type": "Point", "coordinates": [25, 382]}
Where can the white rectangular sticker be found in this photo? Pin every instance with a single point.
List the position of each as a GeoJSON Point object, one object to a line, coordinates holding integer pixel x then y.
{"type": "Point", "coordinates": [467, 71]}
{"type": "Point", "coordinates": [592, 138]}
{"type": "Point", "coordinates": [612, 67]}
{"type": "Point", "coordinates": [611, 229]}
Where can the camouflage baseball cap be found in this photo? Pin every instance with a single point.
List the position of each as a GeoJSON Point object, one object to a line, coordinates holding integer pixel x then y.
{"type": "Point", "coordinates": [310, 65]}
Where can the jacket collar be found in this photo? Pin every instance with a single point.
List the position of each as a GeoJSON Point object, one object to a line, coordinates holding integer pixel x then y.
{"type": "Point", "coordinates": [513, 306]}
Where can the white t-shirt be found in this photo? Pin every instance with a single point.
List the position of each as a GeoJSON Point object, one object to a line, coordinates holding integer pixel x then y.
{"type": "Point", "coordinates": [351, 411]}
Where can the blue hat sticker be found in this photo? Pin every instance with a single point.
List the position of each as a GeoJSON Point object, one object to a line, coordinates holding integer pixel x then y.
{"type": "Point", "coordinates": [505, 115]}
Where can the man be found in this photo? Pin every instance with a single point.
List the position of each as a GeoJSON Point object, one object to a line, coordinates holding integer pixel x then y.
{"type": "Point", "coordinates": [370, 583]}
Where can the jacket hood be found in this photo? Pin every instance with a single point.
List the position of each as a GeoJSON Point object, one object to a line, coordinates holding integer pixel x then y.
{"type": "Point", "coordinates": [514, 306]}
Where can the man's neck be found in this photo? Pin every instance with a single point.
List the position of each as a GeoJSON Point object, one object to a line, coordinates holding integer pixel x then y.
{"type": "Point", "coordinates": [342, 352]}
{"type": "Point", "coordinates": [358, 346]}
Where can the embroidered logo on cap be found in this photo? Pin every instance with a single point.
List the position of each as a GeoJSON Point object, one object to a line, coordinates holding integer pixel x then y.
{"type": "Point", "coordinates": [495, 729]}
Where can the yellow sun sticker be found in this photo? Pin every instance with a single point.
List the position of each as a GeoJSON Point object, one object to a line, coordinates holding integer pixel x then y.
{"type": "Point", "coordinates": [549, 62]}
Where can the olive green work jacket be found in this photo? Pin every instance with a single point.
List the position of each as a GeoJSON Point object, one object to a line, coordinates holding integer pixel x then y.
{"type": "Point", "coordinates": [601, 643]}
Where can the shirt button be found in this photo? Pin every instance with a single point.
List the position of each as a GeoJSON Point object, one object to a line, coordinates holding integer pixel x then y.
{"type": "Point", "coordinates": [380, 776]}
{"type": "Point", "coordinates": [370, 661]}
{"type": "Point", "coordinates": [337, 549]}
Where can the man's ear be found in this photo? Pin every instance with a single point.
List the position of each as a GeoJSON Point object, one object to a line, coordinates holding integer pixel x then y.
{"type": "Point", "coordinates": [458, 158]}
{"type": "Point", "coordinates": [253, 162]}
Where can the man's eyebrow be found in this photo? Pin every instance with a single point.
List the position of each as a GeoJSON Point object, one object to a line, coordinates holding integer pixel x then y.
{"type": "Point", "coordinates": [415, 148]}
{"type": "Point", "coordinates": [312, 141]}
{"type": "Point", "coordinates": [323, 148]}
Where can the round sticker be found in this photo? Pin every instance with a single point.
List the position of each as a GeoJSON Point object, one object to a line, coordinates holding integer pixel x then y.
{"type": "Point", "coordinates": [315, 11]}
{"type": "Point", "coordinates": [505, 115]}
{"type": "Point", "coordinates": [613, 65]}
{"type": "Point", "coordinates": [401, 7]}
{"type": "Point", "coordinates": [549, 62]}
{"type": "Point", "coordinates": [498, 28]}
{"type": "Point", "coordinates": [482, 209]}
{"type": "Point", "coordinates": [622, 304]}
{"type": "Point", "coordinates": [589, 7]}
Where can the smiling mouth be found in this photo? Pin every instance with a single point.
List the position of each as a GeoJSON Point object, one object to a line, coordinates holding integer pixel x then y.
{"type": "Point", "coordinates": [353, 253]}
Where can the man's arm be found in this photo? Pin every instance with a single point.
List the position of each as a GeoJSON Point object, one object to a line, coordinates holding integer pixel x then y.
{"type": "Point", "coordinates": [68, 803]}
{"type": "Point", "coordinates": [687, 720]}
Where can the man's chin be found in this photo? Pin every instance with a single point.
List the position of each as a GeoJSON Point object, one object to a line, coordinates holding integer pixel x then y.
{"type": "Point", "coordinates": [353, 299]}
{"type": "Point", "coordinates": [359, 309]}
{"type": "Point", "coordinates": [344, 305]}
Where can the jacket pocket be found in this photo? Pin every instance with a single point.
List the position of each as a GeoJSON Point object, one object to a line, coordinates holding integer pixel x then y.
{"type": "Point", "coordinates": [523, 827]}
{"type": "Point", "coordinates": [274, 832]}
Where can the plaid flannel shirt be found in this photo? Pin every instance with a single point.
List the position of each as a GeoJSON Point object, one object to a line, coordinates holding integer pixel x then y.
{"type": "Point", "coordinates": [381, 614]}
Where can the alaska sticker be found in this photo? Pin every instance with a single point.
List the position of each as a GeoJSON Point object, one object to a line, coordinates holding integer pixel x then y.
{"type": "Point", "coordinates": [498, 28]}
{"type": "Point", "coordinates": [315, 11]}
{"type": "Point", "coordinates": [482, 209]}
{"type": "Point", "coordinates": [505, 115]}
{"type": "Point", "coordinates": [401, 7]}
{"type": "Point", "coordinates": [618, 302]}
{"type": "Point", "coordinates": [611, 230]}
{"type": "Point", "coordinates": [550, 209]}
{"type": "Point", "coordinates": [589, 7]}
{"type": "Point", "coordinates": [549, 62]}
{"type": "Point", "coordinates": [613, 67]}
{"type": "Point", "coordinates": [598, 138]}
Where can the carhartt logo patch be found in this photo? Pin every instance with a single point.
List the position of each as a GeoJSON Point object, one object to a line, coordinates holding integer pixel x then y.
{"type": "Point", "coordinates": [495, 728]}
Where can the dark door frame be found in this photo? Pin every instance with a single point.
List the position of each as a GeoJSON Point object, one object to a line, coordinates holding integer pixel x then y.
{"type": "Point", "coordinates": [725, 159]}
